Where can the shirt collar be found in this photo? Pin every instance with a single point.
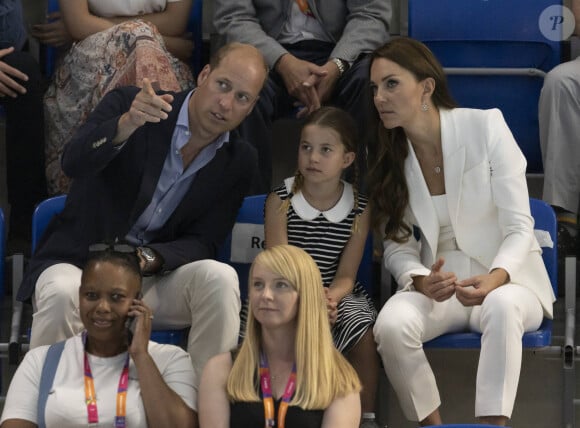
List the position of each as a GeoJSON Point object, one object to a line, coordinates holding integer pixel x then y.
{"type": "Point", "coordinates": [307, 212]}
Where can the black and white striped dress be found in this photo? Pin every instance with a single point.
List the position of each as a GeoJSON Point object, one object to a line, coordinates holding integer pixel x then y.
{"type": "Point", "coordinates": [324, 235]}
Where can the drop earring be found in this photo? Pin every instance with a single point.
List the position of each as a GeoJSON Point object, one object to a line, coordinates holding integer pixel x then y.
{"type": "Point", "coordinates": [424, 107]}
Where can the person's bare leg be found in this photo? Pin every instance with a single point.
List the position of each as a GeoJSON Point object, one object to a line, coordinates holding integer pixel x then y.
{"type": "Point", "coordinates": [365, 360]}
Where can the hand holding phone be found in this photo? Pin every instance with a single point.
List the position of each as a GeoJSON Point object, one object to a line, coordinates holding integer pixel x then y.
{"type": "Point", "coordinates": [130, 327]}
{"type": "Point", "coordinates": [138, 326]}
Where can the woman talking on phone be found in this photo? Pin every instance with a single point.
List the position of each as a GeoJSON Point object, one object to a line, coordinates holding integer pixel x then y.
{"type": "Point", "coordinates": [110, 374]}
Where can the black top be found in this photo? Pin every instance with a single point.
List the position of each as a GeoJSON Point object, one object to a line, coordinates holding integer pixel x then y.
{"type": "Point", "coordinates": [244, 415]}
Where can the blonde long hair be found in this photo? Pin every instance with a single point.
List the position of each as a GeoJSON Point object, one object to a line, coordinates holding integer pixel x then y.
{"type": "Point", "coordinates": [322, 373]}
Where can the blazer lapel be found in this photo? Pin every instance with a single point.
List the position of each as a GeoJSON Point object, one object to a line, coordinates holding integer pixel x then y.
{"type": "Point", "coordinates": [207, 182]}
{"type": "Point", "coordinates": [420, 201]}
{"type": "Point", "coordinates": [453, 148]}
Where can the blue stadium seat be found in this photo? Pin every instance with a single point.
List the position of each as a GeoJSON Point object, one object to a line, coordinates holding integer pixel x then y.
{"type": "Point", "coordinates": [44, 212]}
{"type": "Point", "coordinates": [545, 220]}
{"type": "Point", "coordinates": [247, 240]}
{"type": "Point", "coordinates": [494, 55]}
{"type": "Point", "coordinates": [50, 52]}
{"type": "Point", "coordinates": [195, 27]}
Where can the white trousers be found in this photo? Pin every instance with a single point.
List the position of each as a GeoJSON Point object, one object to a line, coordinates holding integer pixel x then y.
{"type": "Point", "coordinates": [559, 111]}
{"type": "Point", "coordinates": [204, 295]}
{"type": "Point", "coordinates": [410, 318]}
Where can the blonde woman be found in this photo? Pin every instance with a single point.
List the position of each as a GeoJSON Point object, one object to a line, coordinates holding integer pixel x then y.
{"type": "Point", "coordinates": [287, 371]}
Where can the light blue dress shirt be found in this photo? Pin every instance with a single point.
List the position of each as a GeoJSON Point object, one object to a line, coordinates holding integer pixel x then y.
{"type": "Point", "coordinates": [174, 180]}
{"type": "Point", "coordinates": [12, 30]}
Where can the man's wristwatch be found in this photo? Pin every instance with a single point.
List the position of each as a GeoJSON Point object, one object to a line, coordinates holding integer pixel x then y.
{"type": "Point", "coordinates": [149, 256]}
{"type": "Point", "coordinates": [341, 64]}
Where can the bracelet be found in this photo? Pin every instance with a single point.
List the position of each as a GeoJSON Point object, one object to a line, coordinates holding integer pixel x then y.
{"type": "Point", "coordinates": [341, 65]}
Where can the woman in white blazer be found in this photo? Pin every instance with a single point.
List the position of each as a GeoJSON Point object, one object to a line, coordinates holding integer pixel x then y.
{"type": "Point", "coordinates": [449, 195]}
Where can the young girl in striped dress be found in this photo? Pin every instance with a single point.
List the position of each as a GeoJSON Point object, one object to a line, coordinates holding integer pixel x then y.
{"type": "Point", "coordinates": [325, 215]}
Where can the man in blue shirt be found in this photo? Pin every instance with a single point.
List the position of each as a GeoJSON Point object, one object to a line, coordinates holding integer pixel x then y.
{"type": "Point", "coordinates": [163, 172]}
{"type": "Point", "coordinates": [21, 90]}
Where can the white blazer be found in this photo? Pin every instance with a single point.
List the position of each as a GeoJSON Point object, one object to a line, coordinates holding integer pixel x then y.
{"type": "Point", "coordinates": [488, 203]}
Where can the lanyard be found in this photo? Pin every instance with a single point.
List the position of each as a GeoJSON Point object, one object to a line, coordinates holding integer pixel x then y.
{"type": "Point", "coordinates": [267, 394]}
{"type": "Point", "coordinates": [304, 8]}
{"type": "Point", "coordinates": [91, 397]}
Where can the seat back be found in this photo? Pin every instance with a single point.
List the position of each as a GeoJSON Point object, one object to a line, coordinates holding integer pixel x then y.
{"type": "Point", "coordinates": [195, 27]}
{"type": "Point", "coordinates": [247, 239]}
{"type": "Point", "coordinates": [545, 221]}
{"type": "Point", "coordinates": [545, 229]}
{"type": "Point", "coordinates": [50, 52]}
{"type": "Point", "coordinates": [492, 57]}
{"type": "Point", "coordinates": [43, 213]}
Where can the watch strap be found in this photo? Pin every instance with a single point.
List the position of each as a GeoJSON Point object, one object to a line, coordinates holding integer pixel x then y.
{"type": "Point", "coordinates": [149, 256]}
{"type": "Point", "coordinates": [341, 64]}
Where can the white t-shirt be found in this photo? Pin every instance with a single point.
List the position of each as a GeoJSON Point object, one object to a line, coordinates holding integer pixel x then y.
{"type": "Point", "coordinates": [66, 406]}
{"type": "Point", "coordinates": [108, 8]}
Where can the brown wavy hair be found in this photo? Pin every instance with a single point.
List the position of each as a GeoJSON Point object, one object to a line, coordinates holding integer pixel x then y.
{"type": "Point", "coordinates": [388, 149]}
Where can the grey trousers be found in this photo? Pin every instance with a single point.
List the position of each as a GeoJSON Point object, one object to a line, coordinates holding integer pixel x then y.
{"type": "Point", "coordinates": [559, 116]}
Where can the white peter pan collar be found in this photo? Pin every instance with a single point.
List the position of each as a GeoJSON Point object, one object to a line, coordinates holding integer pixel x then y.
{"type": "Point", "coordinates": [307, 212]}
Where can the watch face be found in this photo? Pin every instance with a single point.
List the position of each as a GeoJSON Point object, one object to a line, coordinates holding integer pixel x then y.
{"type": "Point", "coordinates": [147, 253]}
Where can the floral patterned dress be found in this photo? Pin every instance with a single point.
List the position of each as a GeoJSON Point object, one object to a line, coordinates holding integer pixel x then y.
{"type": "Point", "coordinates": [119, 56]}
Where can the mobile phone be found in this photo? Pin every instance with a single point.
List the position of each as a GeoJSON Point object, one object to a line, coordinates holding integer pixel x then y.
{"type": "Point", "coordinates": [130, 322]}
{"type": "Point", "coordinates": [129, 326]}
